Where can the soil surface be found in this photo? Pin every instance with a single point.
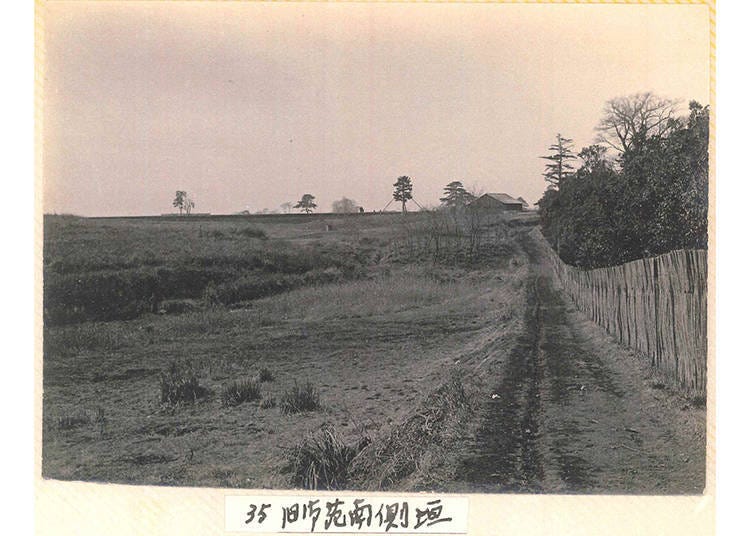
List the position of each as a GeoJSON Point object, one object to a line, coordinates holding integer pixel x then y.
{"type": "Point", "coordinates": [574, 412]}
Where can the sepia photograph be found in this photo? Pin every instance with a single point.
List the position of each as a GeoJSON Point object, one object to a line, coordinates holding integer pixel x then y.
{"type": "Point", "coordinates": [457, 248]}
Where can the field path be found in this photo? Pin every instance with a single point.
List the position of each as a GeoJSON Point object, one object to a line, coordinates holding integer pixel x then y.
{"type": "Point", "coordinates": [573, 412]}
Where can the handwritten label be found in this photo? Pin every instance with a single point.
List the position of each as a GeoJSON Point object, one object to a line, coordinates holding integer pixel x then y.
{"type": "Point", "coordinates": [346, 514]}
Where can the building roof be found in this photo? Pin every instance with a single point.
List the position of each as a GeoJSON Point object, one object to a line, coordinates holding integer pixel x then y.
{"type": "Point", "coordinates": [505, 199]}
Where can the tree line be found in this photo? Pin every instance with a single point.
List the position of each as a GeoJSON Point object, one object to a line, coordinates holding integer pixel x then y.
{"type": "Point", "coordinates": [455, 195]}
{"type": "Point", "coordinates": [648, 198]}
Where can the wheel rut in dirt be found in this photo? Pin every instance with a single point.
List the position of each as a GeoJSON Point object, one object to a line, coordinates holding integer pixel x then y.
{"type": "Point", "coordinates": [508, 457]}
{"type": "Point", "coordinates": [569, 415]}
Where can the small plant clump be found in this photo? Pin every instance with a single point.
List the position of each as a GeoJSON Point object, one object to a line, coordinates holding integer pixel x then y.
{"type": "Point", "coordinates": [268, 403]}
{"type": "Point", "coordinates": [299, 399]}
{"type": "Point", "coordinates": [266, 375]}
{"type": "Point", "coordinates": [179, 384]}
{"type": "Point", "coordinates": [240, 391]}
{"type": "Point", "coordinates": [68, 422]}
{"type": "Point", "coordinates": [321, 461]}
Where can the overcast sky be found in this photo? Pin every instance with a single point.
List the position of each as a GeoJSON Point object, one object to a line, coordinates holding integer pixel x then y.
{"type": "Point", "coordinates": [250, 105]}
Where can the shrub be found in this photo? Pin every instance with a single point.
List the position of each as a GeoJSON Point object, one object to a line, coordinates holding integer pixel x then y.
{"type": "Point", "coordinates": [321, 461]}
{"type": "Point", "coordinates": [240, 391]}
{"type": "Point", "coordinates": [179, 384]}
{"type": "Point", "coordinates": [252, 232]}
{"type": "Point", "coordinates": [266, 375]}
{"type": "Point", "coordinates": [268, 403]}
{"type": "Point", "coordinates": [299, 399]}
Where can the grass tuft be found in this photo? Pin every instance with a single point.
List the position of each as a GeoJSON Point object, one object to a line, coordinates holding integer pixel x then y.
{"type": "Point", "coordinates": [266, 375]}
{"type": "Point", "coordinates": [268, 403]}
{"type": "Point", "coordinates": [321, 461]}
{"type": "Point", "coordinates": [240, 391]}
{"type": "Point", "coordinates": [179, 384]}
{"type": "Point", "coordinates": [299, 399]}
{"type": "Point", "coordinates": [68, 422]}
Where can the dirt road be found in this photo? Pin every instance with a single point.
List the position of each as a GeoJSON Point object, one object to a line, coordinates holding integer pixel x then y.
{"type": "Point", "coordinates": [573, 412]}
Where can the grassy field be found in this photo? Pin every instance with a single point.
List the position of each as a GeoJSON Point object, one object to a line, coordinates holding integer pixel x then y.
{"type": "Point", "coordinates": [283, 352]}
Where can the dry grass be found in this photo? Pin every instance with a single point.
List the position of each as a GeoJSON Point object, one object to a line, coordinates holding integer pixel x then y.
{"type": "Point", "coordinates": [387, 294]}
{"type": "Point", "coordinates": [266, 375]}
{"type": "Point", "coordinates": [268, 403]}
{"type": "Point", "coordinates": [179, 385]}
{"type": "Point", "coordinates": [299, 399]}
{"type": "Point", "coordinates": [386, 463]}
{"type": "Point", "coordinates": [321, 460]}
{"type": "Point", "coordinates": [370, 350]}
{"type": "Point", "coordinates": [239, 392]}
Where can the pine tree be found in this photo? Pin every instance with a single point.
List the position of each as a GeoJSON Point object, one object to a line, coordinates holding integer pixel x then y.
{"type": "Point", "coordinates": [307, 203]}
{"type": "Point", "coordinates": [558, 169]}
{"type": "Point", "coordinates": [455, 195]}
{"type": "Point", "coordinates": [402, 191]}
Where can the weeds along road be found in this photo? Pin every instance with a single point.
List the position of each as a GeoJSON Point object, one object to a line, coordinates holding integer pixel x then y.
{"type": "Point", "coordinates": [573, 412]}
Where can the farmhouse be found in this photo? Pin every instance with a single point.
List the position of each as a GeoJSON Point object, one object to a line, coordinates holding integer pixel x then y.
{"type": "Point", "coordinates": [497, 202]}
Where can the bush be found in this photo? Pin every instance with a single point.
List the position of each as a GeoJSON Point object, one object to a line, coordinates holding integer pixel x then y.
{"type": "Point", "coordinates": [321, 461]}
{"type": "Point", "coordinates": [299, 399]}
{"type": "Point", "coordinates": [179, 384]}
{"type": "Point", "coordinates": [240, 391]}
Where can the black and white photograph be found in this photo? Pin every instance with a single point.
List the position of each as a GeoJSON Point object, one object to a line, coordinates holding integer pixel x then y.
{"type": "Point", "coordinates": [445, 248]}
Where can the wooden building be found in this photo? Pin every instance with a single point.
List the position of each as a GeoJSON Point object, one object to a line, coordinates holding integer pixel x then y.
{"type": "Point", "coordinates": [497, 202]}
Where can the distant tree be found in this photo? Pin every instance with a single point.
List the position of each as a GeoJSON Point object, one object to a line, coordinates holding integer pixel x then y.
{"type": "Point", "coordinates": [307, 203]}
{"type": "Point", "coordinates": [402, 191]}
{"type": "Point", "coordinates": [344, 206]}
{"type": "Point", "coordinates": [558, 169]}
{"type": "Point", "coordinates": [286, 207]}
{"type": "Point", "coordinates": [183, 202]}
{"type": "Point", "coordinates": [179, 200]}
{"type": "Point", "coordinates": [455, 195]}
{"type": "Point", "coordinates": [629, 121]}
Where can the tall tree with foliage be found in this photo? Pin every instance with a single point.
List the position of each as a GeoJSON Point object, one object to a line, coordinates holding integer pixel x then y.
{"type": "Point", "coordinates": [402, 191]}
{"type": "Point", "coordinates": [558, 169]}
{"type": "Point", "coordinates": [594, 158]}
{"type": "Point", "coordinates": [655, 202]}
{"type": "Point", "coordinates": [306, 204]}
{"type": "Point", "coordinates": [455, 195]}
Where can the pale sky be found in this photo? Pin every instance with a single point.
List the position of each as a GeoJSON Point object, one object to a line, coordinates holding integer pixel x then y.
{"type": "Point", "coordinates": [249, 105]}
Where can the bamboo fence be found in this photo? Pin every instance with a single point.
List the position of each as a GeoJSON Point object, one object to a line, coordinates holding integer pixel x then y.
{"type": "Point", "coordinates": [655, 305]}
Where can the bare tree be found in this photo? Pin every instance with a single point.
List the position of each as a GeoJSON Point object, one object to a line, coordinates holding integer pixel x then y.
{"type": "Point", "coordinates": [286, 207]}
{"type": "Point", "coordinates": [629, 121]}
